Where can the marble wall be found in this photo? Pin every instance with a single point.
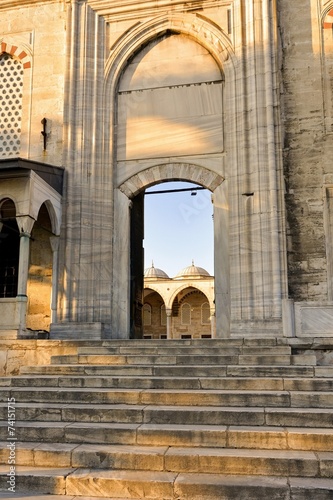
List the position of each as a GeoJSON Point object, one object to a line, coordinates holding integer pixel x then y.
{"type": "Point", "coordinates": [233, 95]}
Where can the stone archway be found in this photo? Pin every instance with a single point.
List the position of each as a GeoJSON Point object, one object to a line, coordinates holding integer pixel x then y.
{"type": "Point", "coordinates": [135, 93]}
{"type": "Point", "coordinates": [121, 251]}
{"type": "Point", "coordinates": [41, 272]}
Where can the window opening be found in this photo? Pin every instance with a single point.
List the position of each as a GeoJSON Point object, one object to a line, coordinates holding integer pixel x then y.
{"type": "Point", "coordinates": [146, 315]}
{"type": "Point", "coordinates": [205, 313]}
{"type": "Point", "coordinates": [185, 314]}
{"type": "Point", "coordinates": [163, 316]}
{"type": "Point", "coordinates": [11, 86]}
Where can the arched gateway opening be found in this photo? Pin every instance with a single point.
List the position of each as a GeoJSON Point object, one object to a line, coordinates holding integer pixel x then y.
{"type": "Point", "coordinates": [169, 127]}
{"type": "Point", "coordinates": [135, 258]}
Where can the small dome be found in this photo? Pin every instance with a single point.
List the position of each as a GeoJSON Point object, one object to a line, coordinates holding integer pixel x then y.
{"type": "Point", "coordinates": [193, 272]}
{"type": "Point", "coordinates": [155, 273]}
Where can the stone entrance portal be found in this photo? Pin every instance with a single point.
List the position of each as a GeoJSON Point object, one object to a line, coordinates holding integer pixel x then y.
{"type": "Point", "coordinates": [169, 127]}
{"type": "Point", "coordinates": [176, 102]}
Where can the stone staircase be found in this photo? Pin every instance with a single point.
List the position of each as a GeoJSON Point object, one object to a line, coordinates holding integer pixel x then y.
{"type": "Point", "coordinates": [207, 419]}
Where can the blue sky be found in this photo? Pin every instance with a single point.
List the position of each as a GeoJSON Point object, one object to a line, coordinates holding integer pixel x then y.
{"type": "Point", "coordinates": [178, 228]}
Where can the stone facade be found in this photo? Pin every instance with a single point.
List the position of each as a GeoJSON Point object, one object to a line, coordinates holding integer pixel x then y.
{"type": "Point", "coordinates": [110, 99]}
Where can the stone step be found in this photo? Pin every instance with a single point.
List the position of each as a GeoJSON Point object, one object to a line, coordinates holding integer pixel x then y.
{"type": "Point", "coordinates": [35, 495]}
{"type": "Point", "coordinates": [141, 382]}
{"type": "Point", "coordinates": [172, 459]}
{"type": "Point", "coordinates": [179, 397]}
{"type": "Point", "coordinates": [180, 415]}
{"type": "Point", "coordinates": [119, 484]}
{"type": "Point", "coordinates": [184, 350]}
{"type": "Point", "coordinates": [145, 359]}
{"type": "Point", "coordinates": [262, 341]}
{"type": "Point", "coordinates": [232, 436]}
{"type": "Point", "coordinates": [177, 371]}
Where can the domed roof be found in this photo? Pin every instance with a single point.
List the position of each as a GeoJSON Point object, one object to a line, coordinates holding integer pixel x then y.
{"type": "Point", "coordinates": [155, 273]}
{"type": "Point", "coordinates": [193, 272]}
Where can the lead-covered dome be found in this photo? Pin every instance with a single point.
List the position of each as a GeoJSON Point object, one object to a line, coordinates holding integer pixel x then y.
{"type": "Point", "coordinates": [193, 272]}
{"type": "Point", "coordinates": [155, 273]}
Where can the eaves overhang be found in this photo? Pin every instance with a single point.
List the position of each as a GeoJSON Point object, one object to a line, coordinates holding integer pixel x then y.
{"type": "Point", "coordinates": [54, 176]}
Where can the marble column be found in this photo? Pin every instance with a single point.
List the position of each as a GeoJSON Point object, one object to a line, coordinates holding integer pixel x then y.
{"type": "Point", "coordinates": [25, 224]}
{"type": "Point", "coordinates": [213, 324]}
{"type": "Point", "coordinates": [54, 241]}
{"type": "Point", "coordinates": [169, 323]}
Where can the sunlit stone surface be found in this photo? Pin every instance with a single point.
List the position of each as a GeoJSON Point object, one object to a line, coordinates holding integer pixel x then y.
{"type": "Point", "coordinates": [235, 97]}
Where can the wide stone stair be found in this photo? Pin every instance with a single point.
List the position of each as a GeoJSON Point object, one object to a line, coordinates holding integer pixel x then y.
{"type": "Point", "coordinates": [203, 419]}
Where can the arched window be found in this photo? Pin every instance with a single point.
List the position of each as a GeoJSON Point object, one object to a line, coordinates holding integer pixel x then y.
{"type": "Point", "coordinates": [147, 315]}
{"type": "Point", "coordinates": [163, 315]}
{"type": "Point", "coordinates": [185, 314]}
{"type": "Point", "coordinates": [205, 314]}
{"type": "Point", "coordinates": [11, 86]}
{"type": "Point", "coordinates": [9, 249]}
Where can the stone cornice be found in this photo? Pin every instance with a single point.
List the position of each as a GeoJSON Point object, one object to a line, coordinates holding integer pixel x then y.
{"type": "Point", "coordinates": [125, 9]}
{"type": "Point", "coordinates": [131, 9]}
{"type": "Point", "coordinates": [16, 4]}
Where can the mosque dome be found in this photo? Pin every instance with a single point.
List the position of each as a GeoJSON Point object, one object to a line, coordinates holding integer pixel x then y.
{"type": "Point", "coordinates": [155, 273]}
{"type": "Point", "coordinates": [192, 272]}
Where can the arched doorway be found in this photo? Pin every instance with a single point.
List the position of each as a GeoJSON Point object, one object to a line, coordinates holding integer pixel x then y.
{"type": "Point", "coordinates": [131, 265]}
{"type": "Point", "coordinates": [169, 126]}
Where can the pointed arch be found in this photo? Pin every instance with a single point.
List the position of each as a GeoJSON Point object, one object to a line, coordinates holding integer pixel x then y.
{"type": "Point", "coordinates": [202, 30]}
{"type": "Point", "coordinates": [54, 217]}
{"type": "Point", "coordinates": [191, 284]}
{"type": "Point", "coordinates": [327, 21]}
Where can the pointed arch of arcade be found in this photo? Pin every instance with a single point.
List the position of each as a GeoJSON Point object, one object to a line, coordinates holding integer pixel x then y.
{"type": "Point", "coordinates": [196, 286]}
{"type": "Point", "coordinates": [157, 289]}
{"type": "Point", "coordinates": [218, 44]}
{"type": "Point", "coordinates": [169, 293]}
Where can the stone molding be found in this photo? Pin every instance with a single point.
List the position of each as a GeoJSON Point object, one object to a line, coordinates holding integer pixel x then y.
{"type": "Point", "coordinates": [201, 29]}
{"type": "Point", "coordinates": [120, 10]}
{"type": "Point", "coordinates": [12, 4]}
{"type": "Point", "coordinates": [328, 17]}
{"type": "Point", "coordinates": [170, 171]}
